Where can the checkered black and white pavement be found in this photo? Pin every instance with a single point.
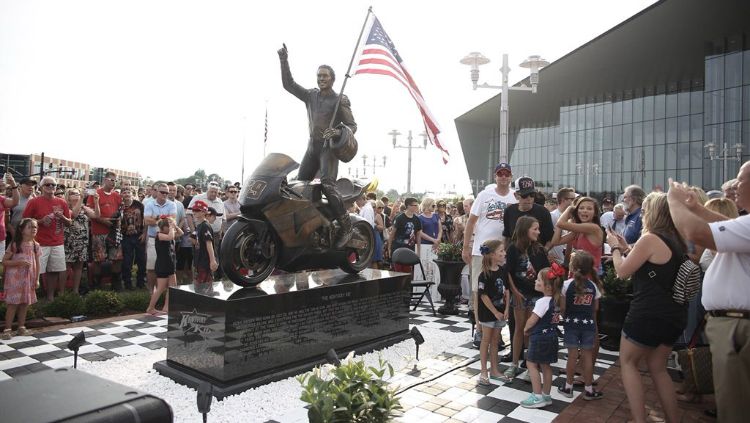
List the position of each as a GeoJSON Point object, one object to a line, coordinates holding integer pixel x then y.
{"type": "Point", "coordinates": [442, 388]}
{"type": "Point", "coordinates": [45, 350]}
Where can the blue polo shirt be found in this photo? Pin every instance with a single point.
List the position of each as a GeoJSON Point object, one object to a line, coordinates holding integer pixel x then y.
{"type": "Point", "coordinates": [154, 209]}
{"type": "Point", "coordinates": [633, 226]}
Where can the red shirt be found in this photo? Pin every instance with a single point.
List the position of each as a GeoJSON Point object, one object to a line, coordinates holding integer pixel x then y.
{"type": "Point", "coordinates": [109, 204]}
{"type": "Point", "coordinates": [52, 234]}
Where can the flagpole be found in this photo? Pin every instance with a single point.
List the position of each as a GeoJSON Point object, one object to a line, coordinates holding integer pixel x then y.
{"type": "Point", "coordinates": [244, 133]}
{"type": "Point", "coordinates": [346, 75]}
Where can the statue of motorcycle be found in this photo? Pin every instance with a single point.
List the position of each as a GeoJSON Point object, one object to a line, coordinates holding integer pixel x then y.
{"type": "Point", "coordinates": [288, 226]}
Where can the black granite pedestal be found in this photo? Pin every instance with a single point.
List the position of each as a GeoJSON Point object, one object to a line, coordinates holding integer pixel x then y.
{"type": "Point", "coordinates": [237, 338]}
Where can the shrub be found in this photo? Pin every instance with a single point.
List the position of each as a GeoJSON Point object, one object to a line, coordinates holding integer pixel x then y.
{"type": "Point", "coordinates": [135, 300]}
{"type": "Point", "coordinates": [101, 303]}
{"type": "Point", "coordinates": [65, 305]}
{"type": "Point", "coordinates": [614, 287]}
{"type": "Point", "coordinates": [450, 252]}
{"type": "Point", "coordinates": [351, 392]}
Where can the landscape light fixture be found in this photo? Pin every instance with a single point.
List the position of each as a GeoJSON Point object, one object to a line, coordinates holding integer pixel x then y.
{"type": "Point", "coordinates": [75, 344]}
{"type": "Point", "coordinates": [333, 358]}
{"type": "Point", "coordinates": [204, 398]}
{"type": "Point", "coordinates": [418, 338]}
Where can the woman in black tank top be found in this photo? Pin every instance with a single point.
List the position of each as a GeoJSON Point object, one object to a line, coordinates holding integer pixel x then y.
{"type": "Point", "coordinates": [654, 321]}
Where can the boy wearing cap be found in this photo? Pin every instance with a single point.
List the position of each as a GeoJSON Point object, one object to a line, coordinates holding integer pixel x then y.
{"type": "Point", "coordinates": [205, 260]}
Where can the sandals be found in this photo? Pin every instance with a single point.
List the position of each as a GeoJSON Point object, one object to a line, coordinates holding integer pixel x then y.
{"type": "Point", "coordinates": [22, 331]}
{"type": "Point", "coordinates": [7, 335]}
{"type": "Point", "coordinates": [483, 381]}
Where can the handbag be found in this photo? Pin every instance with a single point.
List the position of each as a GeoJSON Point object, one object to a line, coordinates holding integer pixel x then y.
{"type": "Point", "coordinates": [696, 365]}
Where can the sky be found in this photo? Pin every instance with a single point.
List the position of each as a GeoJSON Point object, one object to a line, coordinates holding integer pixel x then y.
{"type": "Point", "coordinates": [165, 87]}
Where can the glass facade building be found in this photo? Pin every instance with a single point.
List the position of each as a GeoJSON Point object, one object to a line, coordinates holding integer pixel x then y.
{"type": "Point", "coordinates": [639, 131]}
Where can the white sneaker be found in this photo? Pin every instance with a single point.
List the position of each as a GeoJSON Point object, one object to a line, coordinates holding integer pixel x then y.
{"type": "Point", "coordinates": [526, 377]}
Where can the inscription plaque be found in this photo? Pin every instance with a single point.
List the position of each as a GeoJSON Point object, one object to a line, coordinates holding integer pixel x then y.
{"type": "Point", "coordinates": [237, 337]}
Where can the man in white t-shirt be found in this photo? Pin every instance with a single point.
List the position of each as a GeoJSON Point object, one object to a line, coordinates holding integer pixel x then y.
{"type": "Point", "coordinates": [366, 211]}
{"type": "Point", "coordinates": [726, 289]}
{"type": "Point", "coordinates": [486, 222]}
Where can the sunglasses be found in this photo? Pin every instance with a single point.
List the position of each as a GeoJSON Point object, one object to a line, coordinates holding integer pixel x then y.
{"type": "Point", "coordinates": [50, 185]}
{"type": "Point", "coordinates": [164, 192]}
{"type": "Point", "coordinates": [110, 179]}
{"type": "Point", "coordinates": [526, 196]}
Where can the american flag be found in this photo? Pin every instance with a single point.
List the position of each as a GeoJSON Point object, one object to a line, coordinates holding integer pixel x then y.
{"type": "Point", "coordinates": [379, 56]}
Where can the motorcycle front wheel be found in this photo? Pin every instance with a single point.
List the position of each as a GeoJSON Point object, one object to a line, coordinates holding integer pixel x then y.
{"type": "Point", "coordinates": [248, 256]}
{"type": "Point", "coordinates": [357, 259]}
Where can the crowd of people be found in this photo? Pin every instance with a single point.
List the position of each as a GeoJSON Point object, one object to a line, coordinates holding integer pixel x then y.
{"type": "Point", "coordinates": [167, 232]}
{"type": "Point", "coordinates": [532, 262]}
{"type": "Point", "coordinates": [535, 263]}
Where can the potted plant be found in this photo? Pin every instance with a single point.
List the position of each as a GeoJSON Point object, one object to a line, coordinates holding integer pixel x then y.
{"type": "Point", "coordinates": [613, 307]}
{"type": "Point", "coordinates": [350, 392]}
{"type": "Point", "coordinates": [450, 264]}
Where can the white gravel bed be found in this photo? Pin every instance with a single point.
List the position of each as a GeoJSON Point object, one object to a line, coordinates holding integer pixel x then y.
{"type": "Point", "coordinates": [277, 400]}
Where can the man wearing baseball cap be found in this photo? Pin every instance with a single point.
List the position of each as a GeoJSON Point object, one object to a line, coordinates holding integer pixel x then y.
{"type": "Point", "coordinates": [525, 206]}
{"type": "Point", "coordinates": [486, 222]}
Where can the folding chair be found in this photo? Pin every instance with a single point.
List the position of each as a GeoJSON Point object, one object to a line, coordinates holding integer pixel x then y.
{"type": "Point", "coordinates": [419, 288]}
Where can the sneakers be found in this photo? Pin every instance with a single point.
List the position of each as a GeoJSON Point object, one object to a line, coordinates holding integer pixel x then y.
{"type": "Point", "coordinates": [7, 334]}
{"type": "Point", "coordinates": [593, 395]}
{"type": "Point", "coordinates": [534, 401]}
{"type": "Point", "coordinates": [565, 392]}
{"type": "Point", "coordinates": [22, 331]}
{"type": "Point", "coordinates": [526, 377]}
{"type": "Point", "coordinates": [510, 372]}
{"type": "Point", "coordinates": [547, 399]}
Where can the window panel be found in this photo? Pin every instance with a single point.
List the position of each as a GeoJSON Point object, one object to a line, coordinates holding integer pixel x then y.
{"type": "Point", "coordinates": [683, 155]}
{"type": "Point", "coordinates": [746, 67]}
{"type": "Point", "coordinates": [713, 110]}
{"type": "Point", "coordinates": [599, 115]}
{"type": "Point", "coordinates": [659, 158]}
{"type": "Point", "coordinates": [732, 104]}
{"type": "Point", "coordinates": [696, 102]}
{"type": "Point", "coordinates": [714, 73]}
{"type": "Point", "coordinates": [607, 114]}
{"type": "Point", "coordinates": [573, 119]}
{"type": "Point", "coordinates": [627, 135]}
{"type": "Point", "coordinates": [589, 117]}
{"type": "Point", "coordinates": [671, 156]}
{"type": "Point", "coordinates": [648, 132]}
{"type": "Point", "coordinates": [683, 103]}
{"type": "Point", "coordinates": [660, 106]}
{"type": "Point", "coordinates": [671, 130]}
{"type": "Point", "coordinates": [627, 159]}
{"type": "Point", "coordinates": [660, 131]}
{"type": "Point", "coordinates": [696, 177]}
{"type": "Point", "coordinates": [581, 117]}
{"type": "Point", "coordinates": [648, 108]}
{"type": "Point", "coordinates": [696, 127]}
{"type": "Point", "coordinates": [617, 113]}
{"type": "Point", "coordinates": [589, 140]}
{"type": "Point", "coordinates": [638, 109]}
{"type": "Point", "coordinates": [648, 155]}
{"type": "Point", "coordinates": [746, 101]}
{"type": "Point", "coordinates": [627, 111]}
{"type": "Point", "coordinates": [683, 128]}
{"type": "Point", "coordinates": [733, 70]}
{"type": "Point", "coordinates": [638, 134]}
{"type": "Point", "coordinates": [672, 105]}
{"type": "Point", "coordinates": [696, 154]}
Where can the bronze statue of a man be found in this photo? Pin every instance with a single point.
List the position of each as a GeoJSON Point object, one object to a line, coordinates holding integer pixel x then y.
{"type": "Point", "coordinates": [320, 157]}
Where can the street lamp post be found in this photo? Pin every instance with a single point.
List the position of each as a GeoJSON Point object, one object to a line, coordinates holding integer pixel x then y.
{"type": "Point", "coordinates": [409, 147]}
{"type": "Point", "coordinates": [478, 184]}
{"type": "Point", "coordinates": [533, 63]}
{"type": "Point", "coordinates": [587, 169]}
{"type": "Point", "coordinates": [724, 153]}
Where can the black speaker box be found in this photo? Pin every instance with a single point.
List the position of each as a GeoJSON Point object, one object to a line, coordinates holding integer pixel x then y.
{"type": "Point", "coordinates": [69, 395]}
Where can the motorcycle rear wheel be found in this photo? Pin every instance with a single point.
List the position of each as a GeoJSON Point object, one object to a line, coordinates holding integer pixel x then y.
{"type": "Point", "coordinates": [358, 259]}
{"type": "Point", "coordinates": [248, 257]}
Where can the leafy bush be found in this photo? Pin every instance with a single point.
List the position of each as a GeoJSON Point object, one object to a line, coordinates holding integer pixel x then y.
{"type": "Point", "coordinates": [65, 305]}
{"type": "Point", "coordinates": [351, 392]}
{"type": "Point", "coordinates": [101, 303]}
{"type": "Point", "coordinates": [135, 300]}
{"type": "Point", "coordinates": [614, 287]}
{"type": "Point", "coordinates": [450, 252]}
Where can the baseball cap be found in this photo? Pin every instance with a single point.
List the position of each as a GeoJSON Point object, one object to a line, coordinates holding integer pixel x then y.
{"type": "Point", "coordinates": [27, 181]}
{"type": "Point", "coordinates": [525, 186]}
{"type": "Point", "coordinates": [213, 211]}
{"type": "Point", "coordinates": [503, 166]}
{"type": "Point", "coordinates": [200, 206]}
